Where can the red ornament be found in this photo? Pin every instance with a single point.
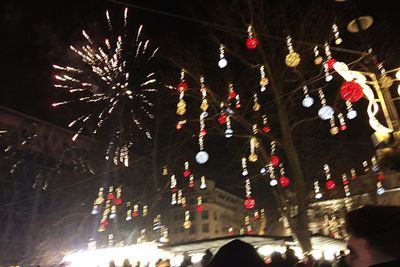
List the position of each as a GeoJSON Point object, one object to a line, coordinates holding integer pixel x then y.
{"type": "Point", "coordinates": [346, 182]}
{"type": "Point", "coordinates": [330, 184]}
{"type": "Point", "coordinates": [135, 214]}
{"type": "Point", "coordinates": [275, 160]}
{"type": "Point", "coordinates": [182, 86]}
{"type": "Point", "coordinates": [353, 177]}
{"type": "Point", "coordinates": [183, 205]}
{"type": "Point", "coordinates": [186, 173]}
{"type": "Point", "coordinates": [118, 201]}
{"type": "Point", "coordinates": [284, 181]}
{"type": "Point", "coordinates": [191, 185]}
{"type": "Point", "coordinates": [232, 95]}
{"type": "Point", "coordinates": [104, 223]}
{"type": "Point", "coordinates": [250, 232]}
{"type": "Point", "coordinates": [266, 129]}
{"type": "Point", "coordinates": [330, 63]}
{"type": "Point", "coordinates": [381, 176]}
{"type": "Point", "coordinates": [230, 233]}
{"type": "Point", "coordinates": [179, 126]}
{"type": "Point", "coordinates": [174, 190]}
{"type": "Point", "coordinates": [251, 42]}
{"type": "Point", "coordinates": [238, 105]}
{"type": "Point", "coordinates": [199, 208]}
{"type": "Point", "coordinates": [249, 203]}
{"type": "Point", "coordinates": [343, 127]}
{"type": "Point", "coordinates": [203, 132]}
{"type": "Point", "coordinates": [351, 91]}
{"type": "Point", "coordinates": [222, 119]}
{"type": "Point", "coordinates": [110, 196]}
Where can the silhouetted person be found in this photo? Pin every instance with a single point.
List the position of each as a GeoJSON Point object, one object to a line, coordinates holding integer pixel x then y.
{"type": "Point", "coordinates": [137, 264]}
{"type": "Point", "coordinates": [290, 258]}
{"type": "Point", "coordinates": [341, 260]}
{"type": "Point", "coordinates": [205, 260]}
{"type": "Point", "coordinates": [111, 264]}
{"type": "Point", "coordinates": [164, 263]}
{"type": "Point", "coordinates": [236, 253]}
{"type": "Point", "coordinates": [187, 260]}
{"type": "Point", "coordinates": [126, 263]}
{"type": "Point", "coordinates": [276, 259]}
{"type": "Point", "coordinates": [374, 236]}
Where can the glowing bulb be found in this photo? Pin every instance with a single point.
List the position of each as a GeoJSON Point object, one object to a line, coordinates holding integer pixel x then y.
{"type": "Point", "coordinates": [273, 182]}
{"type": "Point", "coordinates": [307, 101]}
{"type": "Point", "coordinates": [263, 170]}
{"type": "Point", "coordinates": [228, 133]}
{"type": "Point", "coordinates": [398, 90]}
{"type": "Point", "coordinates": [318, 195]}
{"type": "Point", "coordinates": [328, 78]}
{"type": "Point", "coordinates": [380, 190]}
{"type": "Point", "coordinates": [245, 172]}
{"type": "Point", "coordinates": [222, 63]}
{"type": "Point", "coordinates": [263, 88]}
{"type": "Point", "coordinates": [351, 114]}
{"type": "Point", "coordinates": [398, 74]}
{"type": "Point", "coordinates": [202, 157]}
{"type": "Point", "coordinates": [326, 112]}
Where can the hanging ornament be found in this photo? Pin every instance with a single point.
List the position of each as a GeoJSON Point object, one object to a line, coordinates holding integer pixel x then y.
{"type": "Point", "coordinates": [271, 170]}
{"type": "Point", "coordinates": [249, 203]}
{"type": "Point", "coordinates": [135, 212]}
{"type": "Point", "coordinates": [317, 58]}
{"type": "Point", "coordinates": [222, 117]}
{"type": "Point", "coordinates": [342, 122]}
{"type": "Point", "coordinates": [187, 224]}
{"type": "Point", "coordinates": [255, 129]}
{"type": "Point", "coordinates": [275, 160]}
{"type": "Point", "coordinates": [203, 184]}
{"type": "Point", "coordinates": [329, 60]}
{"type": "Point", "coordinates": [328, 77]}
{"type": "Point", "coordinates": [129, 215]}
{"type": "Point", "coordinates": [100, 199]}
{"type": "Point", "coordinates": [283, 180]}
{"type": "Point", "coordinates": [182, 87]}
{"type": "Point", "coordinates": [118, 200]}
{"type": "Point", "coordinates": [228, 131]}
{"type": "Point", "coordinates": [179, 199]}
{"type": "Point", "coordinates": [184, 202]}
{"type": "Point", "coordinates": [230, 231]}
{"type": "Point", "coordinates": [292, 59]}
{"type": "Point", "coordinates": [351, 113]}
{"type": "Point", "coordinates": [353, 174]}
{"type": "Point", "coordinates": [351, 91]}
{"type": "Point", "coordinates": [256, 105]}
{"type": "Point", "coordinates": [263, 80]}
{"type": "Point", "coordinates": [266, 128]}
{"type": "Point", "coordinates": [186, 172]}
{"type": "Point", "coordinates": [374, 164]}
{"type": "Point", "coordinates": [222, 60]}
{"type": "Point", "coordinates": [329, 184]}
{"type": "Point", "coordinates": [251, 41]}
{"type": "Point", "coordinates": [308, 101]}
{"type": "Point", "coordinates": [381, 176]}
{"type": "Point", "coordinates": [334, 129]}
{"type": "Point", "coordinates": [95, 209]}
{"type": "Point", "coordinates": [317, 190]}
{"type": "Point", "coordinates": [385, 81]}
{"type": "Point", "coordinates": [144, 211]}
{"type": "Point", "coordinates": [173, 183]}
{"type": "Point", "coordinates": [244, 167]}
{"type": "Point", "coordinates": [253, 144]}
{"type": "Point", "coordinates": [365, 165]}
{"type": "Point", "coordinates": [180, 124]}
{"type": "Point", "coordinates": [110, 194]}
{"type": "Point", "coordinates": [200, 206]}
{"type": "Point", "coordinates": [325, 112]}
{"type": "Point", "coordinates": [263, 170]}
{"type": "Point", "coordinates": [157, 222]}
{"type": "Point", "coordinates": [165, 170]}
{"type": "Point", "coordinates": [191, 181]}
{"type": "Point", "coordinates": [380, 190]}
{"type": "Point", "coordinates": [256, 215]}
{"type": "Point", "coordinates": [345, 185]}
{"type": "Point", "coordinates": [335, 30]}
{"type": "Point", "coordinates": [113, 211]}
{"type": "Point", "coordinates": [204, 103]}
{"type": "Point", "coordinates": [237, 104]}
{"type": "Point", "coordinates": [202, 156]}
{"type": "Point", "coordinates": [231, 92]}
{"type": "Point", "coordinates": [173, 199]}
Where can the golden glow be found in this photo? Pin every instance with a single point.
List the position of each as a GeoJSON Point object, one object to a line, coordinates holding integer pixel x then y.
{"type": "Point", "coordinates": [292, 59]}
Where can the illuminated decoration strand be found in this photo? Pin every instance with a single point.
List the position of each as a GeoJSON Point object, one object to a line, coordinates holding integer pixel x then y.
{"type": "Point", "coordinates": [328, 64]}
{"type": "Point", "coordinates": [249, 203]}
{"type": "Point", "coordinates": [203, 183]}
{"type": "Point", "coordinates": [184, 202]}
{"type": "Point", "coordinates": [307, 101]}
{"type": "Point", "coordinates": [113, 212]}
{"type": "Point", "coordinates": [334, 129]}
{"type": "Point", "coordinates": [199, 206]}
{"type": "Point", "coordinates": [110, 194]}
{"type": "Point", "coordinates": [182, 87]}
{"type": "Point", "coordinates": [173, 199]}
{"type": "Point", "coordinates": [157, 222]}
{"type": "Point", "coordinates": [275, 159]}
{"type": "Point", "coordinates": [255, 129]}
{"type": "Point", "coordinates": [105, 83]}
{"type": "Point", "coordinates": [351, 113]}
{"type": "Point", "coordinates": [245, 172]}
{"type": "Point", "coordinates": [248, 188]}
{"type": "Point", "coordinates": [187, 224]}
{"type": "Point", "coordinates": [202, 156]}
{"type": "Point", "coordinates": [266, 128]}
{"type": "Point", "coordinates": [353, 174]}
{"type": "Point", "coordinates": [317, 58]}
{"type": "Point", "coordinates": [263, 79]}
{"type": "Point", "coordinates": [231, 92]}
{"type": "Point", "coordinates": [228, 131]}
{"type": "Point", "coordinates": [110, 240]}
{"type": "Point", "coordinates": [325, 112]}
{"type": "Point", "coordinates": [329, 184]}
{"type": "Point", "coordinates": [365, 166]}
{"type": "Point", "coordinates": [135, 212]}
{"type": "Point", "coordinates": [222, 63]}
{"type": "Point", "coordinates": [128, 211]}
{"type": "Point", "coordinates": [380, 189]}
{"type": "Point", "coordinates": [173, 183]}
{"type": "Point", "coordinates": [145, 211]}
{"type": "Point", "coordinates": [256, 105]}
{"type": "Point", "coordinates": [251, 41]}
{"type": "Point", "coordinates": [374, 164]}
{"type": "Point", "coordinates": [165, 170]}
{"type": "Point", "coordinates": [317, 190]}
{"type": "Point", "coordinates": [346, 185]}
{"type": "Point", "coordinates": [342, 122]}
{"type": "Point", "coordinates": [253, 144]}
{"type": "Point", "coordinates": [292, 59]}
{"type": "Point", "coordinates": [222, 117]}
{"type": "Point", "coordinates": [118, 199]}
{"type": "Point", "coordinates": [191, 181]}
{"type": "Point", "coordinates": [256, 215]}
{"type": "Point", "coordinates": [186, 172]}
{"type": "Point", "coordinates": [336, 34]}
{"type": "Point", "coordinates": [271, 170]}
{"type": "Point", "coordinates": [179, 201]}
{"type": "Point", "coordinates": [283, 179]}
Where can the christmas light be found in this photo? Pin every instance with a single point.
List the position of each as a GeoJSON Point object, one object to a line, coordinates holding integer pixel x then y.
{"type": "Point", "coordinates": [173, 183]}
{"type": "Point", "coordinates": [325, 112]}
{"type": "Point", "coordinates": [351, 91]}
{"type": "Point", "coordinates": [228, 131]}
{"type": "Point", "coordinates": [256, 105]}
{"type": "Point", "coordinates": [380, 190]}
{"type": "Point", "coordinates": [187, 224]}
{"type": "Point", "coordinates": [353, 174]}
{"type": "Point", "coordinates": [200, 206]}
{"type": "Point", "coordinates": [253, 156]}
{"type": "Point", "coordinates": [135, 212]}
{"type": "Point", "coordinates": [118, 200]}
{"type": "Point", "coordinates": [129, 215]}
{"type": "Point", "coordinates": [334, 129]}
{"type": "Point", "coordinates": [186, 173]}
{"type": "Point", "coordinates": [283, 180]}
{"type": "Point", "coordinates": [100, 198]}
{"type": "Point", "coordinates": [335, 30]}
{"type": "Point", "coordinates": [179, 201]}
{"type": "Point", "coordinates": [144, 210]}
{"type": "Point", "coordinates": [342, 122]}
{"type": "Point", "coordinates": [191, 181]}
{"type": "Point", "coordinates": [374, 164]}
{"type": "Point", "coordinates": [203, 183]}
{"type": "Point", "coordinates": [308, 101]}
{"type": "Point", "coordinates": [329, 184]}
{"type": "Point", "coordinates": [346, 185]}
{"type": "Point", "coordinates": [222, 63]}
{"type": "Point", "coordinates": [317, 58]}
{"type": "Point", "coordinates": [263, 80]}
{"type": "Point", "coordinates": [273, 181]}
{"type": "Point", "coordinates": [165, 171]}
{"type": "Point", "coordinates": [292, 59]}
{"type": "Point", "coordinates": [110, 194]}
{"type": "Point", "coordinates": [251, 41]}
{"type": "Point", "coordinates": [182, 87]}
{"type": "Point", "coordinates": [249, 203]}
{"type": "Point", "coordinates": [318, 194]}
{"type": "Point", "coordinates": [113, 210]}
{"type": "Point", "coordinates": [202, 156]}
{"type": "Point", "coordinates": [351, 113]}
{"type": "Point", "coordinates": [173, 199]}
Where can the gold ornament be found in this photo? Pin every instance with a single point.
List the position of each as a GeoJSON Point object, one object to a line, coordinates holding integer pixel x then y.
{"type": "Point", "coordinates": [338, 41]}
{"type": "Point", "coordinates": [264, 81]}
{"type": "Point", "coordinates": [386, 81]}
{"type": "Point", "coordinates": [204, 105]}
{"type": "Point", "coordinates": [256, 107]}
{"type": "Point", "coordinates": [292, 59]}
{"type": "Point", "coordinates": [253, 157]}
{"type": "Point", "coordinates": [187, 224]}
{"type": "Point", "coordinates": [334, 130]}
{"type": "Point", "coordinates": [318, 60]}
{"type": "Point", "coordinates": [181, 107]}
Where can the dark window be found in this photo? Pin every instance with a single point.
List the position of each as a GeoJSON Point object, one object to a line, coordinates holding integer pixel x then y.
{"type": "Point", "coordinates": [215, 216]}
{"type": "Point", "coordinates": [205, 228]}
{"type": "Point", "coordinates": [193, 229]}
{"type": "Point", "coordinates": [204, 214]}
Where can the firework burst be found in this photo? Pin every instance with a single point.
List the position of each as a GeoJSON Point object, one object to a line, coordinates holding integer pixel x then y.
{"type": "Point", "coordinates": [115, 83]}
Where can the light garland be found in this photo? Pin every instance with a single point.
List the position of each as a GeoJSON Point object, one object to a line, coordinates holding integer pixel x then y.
{"type": "Point", "coordinates": [251, 41]}
{"type": "Point", "coordinates": [307, 101]}
{"type": "Point", "coordinates": [222, 63]}
{"type": "Point", "coordinates": [253, 157]}
{"type": "Point", "coordinates": [203, 184]}
{"type": "Point", "coordinates": [263, 80]}
{"type": "Point", "coordinates": [317, 190]}
{"type": "Point", "coordinates": [283, 180]}
{"type": "Point", "coordinates": [228, 131]}
{"type": "Point", "coordinates": [317, 58]}
{"type": "Point", "coordinates": [187, 224]}
{"type": "Point", "coordinates": [249, 203]}
{"type": "Point", "coordinates": [329, 184]}
{"type": "Point", "coordinates": [325, 112]}
{"type": "Point", "coordinates": [334, 129]}
{"type": "Point", "coordinates": [266, 128]}
{"type": "Point", "coordinates": [346, 185]}
{"type": "Point", "coordinates": [186, 172]}
{"type": "Point", "coordinates": [182, 87]}
{"type": "Point", "coordinates": [256, 105]}
{"type": "Point", "coordinates": [271, 170]}
{"type": "Point", "coordinates": [336, 34]}
{"type": "Point", "coordinates": [292, 59]}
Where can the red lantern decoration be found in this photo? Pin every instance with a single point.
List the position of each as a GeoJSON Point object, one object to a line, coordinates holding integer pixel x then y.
{"type": "Point", "coordinates": [135, 214]}
{"type": "Point", "coordinates": [343, 127]}
{"type": "Point", "coordinates": [186, 173]}
{"type": "Point", "coordinates": [266, 129]}
{"type": "Point", "coordinates": [110, 196]}
{"type": "Point", "coordinates": [275, 160]}
{"type": "Point", "coordinates": [238, 105]}
{"type": "Point", "coordinates": [284, 181]}
{"type": "Point", "coordinates": [118, 201]}
{"type": "Point", "coordinates": [199, 208]}
{"type": "Point", "coordinates": [330, 185]}
{"type": "Point", "coordinates": [191, 184]}
{"type": "Point", "coordinates": [182, 86]}
{"type": "Point", "coordinates": [381, 176]}
{"type": "Point", "coordinates": [251, 42]}
{"type": "Point", "coordinates": [351, 91]}
{"type": "Point", "coordinates": [203, 132]}
{"type": "Point", "coordinates": [232, 95]}
{"type": "Point", "coordinates": [179, 126]}
{"type": "Point", "coordinates": [222, 119]}
{"type": "Point", "coordinates": [249, 203]}
{"type": "Point", "coordinates": [330, 63]}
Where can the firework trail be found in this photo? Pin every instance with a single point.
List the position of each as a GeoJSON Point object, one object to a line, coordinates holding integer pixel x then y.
{"type": "Point", "coordinates": [115, 83]}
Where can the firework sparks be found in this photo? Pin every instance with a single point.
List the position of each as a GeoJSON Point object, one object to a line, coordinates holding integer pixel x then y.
{"type": "Point", "coordinates": [115, 84]}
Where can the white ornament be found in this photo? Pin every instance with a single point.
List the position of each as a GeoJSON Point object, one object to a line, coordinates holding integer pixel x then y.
{"type": "Point", "coordinates": [228, 133]}
{"type": "Point", "coordinates": [380, 190]}
{"type": "Point", "coordinates": [326, 112]}
{"type": "Point", "coordinates": [222, 63]}
{"type": "Point", "coordinates": [202, 157]}
{"type": "Point", "coordinates": [328, 78]}
{"type": "Point", "coordinates": [273, 182]}
{"type": "Point", "coordinates": [263, 170]}
{"type": "Point", "coordinates": [245, 172]}
{"type": "Point", "coordinates": [318, 195]}
{"type": "Point", "coordinates": [307, 102]}
{"type": "Point", "coordinates": [351, 114]}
